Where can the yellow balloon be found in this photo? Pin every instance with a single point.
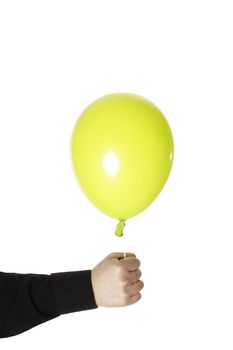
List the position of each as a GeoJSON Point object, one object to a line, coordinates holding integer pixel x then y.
{"type": "Point", "coordinates": [122, 153]}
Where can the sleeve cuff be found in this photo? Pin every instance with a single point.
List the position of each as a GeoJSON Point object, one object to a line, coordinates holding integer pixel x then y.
{"type": "Point", "coordinates": [72, 291]}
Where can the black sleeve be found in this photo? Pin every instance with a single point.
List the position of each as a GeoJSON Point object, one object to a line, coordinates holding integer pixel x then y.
{"type": "Point", "coordinates": [26, 300]}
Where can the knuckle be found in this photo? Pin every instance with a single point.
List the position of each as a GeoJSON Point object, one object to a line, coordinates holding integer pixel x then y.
{"type": "Point", "coordinates": [138, 286]}
{"type": "Point", "coordinates": [134, 265]}
{"type": "Point", "coordinates": [141, 285]}
{"type": "Point", "coordinates": [123, 274]}
{"type": "Point", "coordinates": [138, 262]}
{"type": "Point", "coordinates": [137, 275]}
{"type": "Point", "coordinates": [137, 297]}
{"type": "Point", "coordinates": [119, 271]}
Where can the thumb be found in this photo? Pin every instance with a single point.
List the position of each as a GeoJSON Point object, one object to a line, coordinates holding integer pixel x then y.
{"type": "Point", "coordinates": [120, 255]}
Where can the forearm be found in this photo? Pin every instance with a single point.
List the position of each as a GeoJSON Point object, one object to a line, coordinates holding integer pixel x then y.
{"type": "Point", "coordinates": [27, 300]}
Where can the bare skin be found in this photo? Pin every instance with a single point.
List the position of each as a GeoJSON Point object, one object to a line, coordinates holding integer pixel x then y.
{"type": "Point", "coordinates": [116, 280]}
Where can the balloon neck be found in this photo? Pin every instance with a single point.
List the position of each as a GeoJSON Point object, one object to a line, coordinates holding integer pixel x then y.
{"type": "Point", "coordinates": [119, 228]}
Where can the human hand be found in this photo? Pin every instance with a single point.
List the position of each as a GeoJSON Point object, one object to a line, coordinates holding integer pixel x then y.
{"type": "Point", "coordinates": [116, 280]}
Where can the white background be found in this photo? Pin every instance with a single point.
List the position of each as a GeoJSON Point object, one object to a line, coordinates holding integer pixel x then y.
{"type": "Point", "coordinates": [56, 57]}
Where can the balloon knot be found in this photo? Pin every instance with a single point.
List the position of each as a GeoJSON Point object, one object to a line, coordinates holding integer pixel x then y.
{"type": "Point", "coordinates": [119, 228]}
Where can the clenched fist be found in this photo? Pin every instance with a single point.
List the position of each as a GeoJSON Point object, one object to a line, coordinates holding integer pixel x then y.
{"type": "Point", "coordinates": [116, 280]}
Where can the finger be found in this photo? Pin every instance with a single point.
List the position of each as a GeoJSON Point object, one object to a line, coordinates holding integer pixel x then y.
{"type": "Point", "coordinates": [135, 287]}
{"type": "Point", "coordinates": [131, 263]}
{"type": "Point", "coordinates": [134, 298]}
{"type": "Point", "coordinates": [134, 276]}
{"type": "Point", "coordinates": [120, 255]}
